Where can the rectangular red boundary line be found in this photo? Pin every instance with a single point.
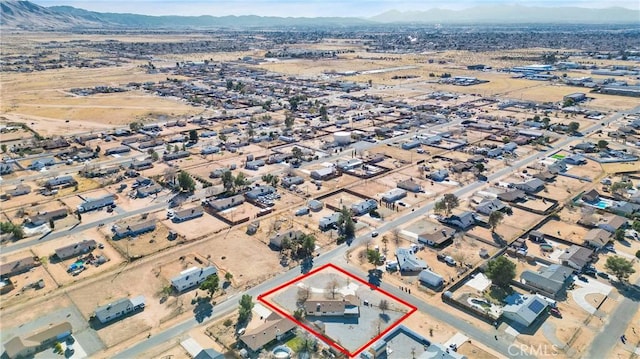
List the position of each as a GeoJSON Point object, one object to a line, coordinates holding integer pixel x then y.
{"type": "Point", "coordinates": [325, 339]}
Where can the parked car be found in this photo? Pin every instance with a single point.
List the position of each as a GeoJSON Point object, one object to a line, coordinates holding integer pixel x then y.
{"type": "Point", "coordinates": [450, 261]}
{"type": "Point", "coordinates": [441, 257]}
{"type": "Point", "coordinates": [555, 312]}
{"type": "Point", "coordinates": [604, 275]}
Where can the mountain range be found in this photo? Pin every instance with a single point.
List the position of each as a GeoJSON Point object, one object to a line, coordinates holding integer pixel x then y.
{"type": "Point", "coordinates": [27, 15]}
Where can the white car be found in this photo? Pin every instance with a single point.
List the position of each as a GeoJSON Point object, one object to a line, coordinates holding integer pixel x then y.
{"type": "Point", "coordinates": [374, 234]}
{"type": "Point", "coordinates": [450, 261]}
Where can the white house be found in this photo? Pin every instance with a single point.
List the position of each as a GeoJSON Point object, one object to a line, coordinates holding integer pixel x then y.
{"type": "Point", "coordinates": [525, 310]}
{"type": "Point", "coordinates": [192, 277]}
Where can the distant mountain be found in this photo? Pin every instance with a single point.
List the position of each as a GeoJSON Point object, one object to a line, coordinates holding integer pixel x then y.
{"type": "Point", "coordinates": [27, 15]}
{"type": "Point", "coordinates": [146, 21]}
{"type": "Point", "coordinates": [510, 14]}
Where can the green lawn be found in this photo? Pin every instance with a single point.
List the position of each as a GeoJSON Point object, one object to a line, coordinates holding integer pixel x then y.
{"type": "Point", "coordinates": [295, 343]}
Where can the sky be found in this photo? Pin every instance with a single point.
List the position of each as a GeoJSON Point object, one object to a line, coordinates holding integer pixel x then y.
{"type": "Point", "coordinates": [306, 8]}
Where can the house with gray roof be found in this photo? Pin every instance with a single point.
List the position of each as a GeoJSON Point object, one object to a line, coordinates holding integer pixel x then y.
{"type": "Point", "coordinates": [192, 277]}
{"type": "Point", "coordinates": [438, 238]}
{"type": "Point", "coordinates": [329, 221]}
{"type": "Point", "coordinates": [26, 346]}
{"type": "Point", "coordinates": [187, 214]}
{"type": "Point", "coordinates": [90, 204]}
{"type": "Point", "coordinates": [323, 173]}
{"type": "Point", "coordinates": [409, 185]}
{"type": "Point", "coordinates": [119, 308]}
{"type": "Point", "coordinates": [225, 203]}
{"type": "Point", "coordinates": [394, 195]}
{"type": "Point", "coordinates": [62, 181]}
{"type": "Point", "coordinates": [45, 217]}
{"type": "Point", "coordinates": [490, 205]}
{"type": "Point", "coordinates": [176, 155]}
{"type": "Point", "coordinates": [135, 229]}
{"type": "Point", "coordinates": [525, 310]}
{"type": "Point", "coordinates": [531, 186]}
{"type": "Point", "coordinates": [576, 257]}
{"type": "Point", "coordinates": [515, 195]}
{"type": "Point", "coordinates": [275, 328]}
{"type": "Point", "coordinates": [597, 238]}
{"type": "Point", "coordinates": [18, 266]}
{"type": "Point", "coordinates": [259, 191]}
{"type": "Point", "coordinates": [552, 280]}
{"type": "Point", "coordinates": [117, 150]}
{"type": "Point", "coordinates": [291, 180]}
{"type": "Point", "coordinates": [408, 261]}
{"type": "Point", "coordinates": [291, 235]}
{"type": "Point", "coordinates": [439, 175]}
{"type": "Point", "coordinates": [140, 165]}
{"type": "Point", "coordinates": [20, 190]}
{"type": "Point", "coordinates": [364, 207]}
{"type": "Point", "coordinates": [463, 220]}
{"type": "Point", "coordinates": [76, 249]}
{"type": "Point", "coordinates": [142, 192]}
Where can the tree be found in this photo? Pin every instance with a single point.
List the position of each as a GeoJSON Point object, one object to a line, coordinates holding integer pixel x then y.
{"type": "Point", "coordinates": [228, 181]}
{"type": "Point", "coordinates": [385, 241]}
{"type": "Point", "coordinates": [135, 126]}
{"type": "Point", "coordinates": [479, 167]}
{"type": "Point", "coordinates": [222, 137]}
{"type": "Point", "coordinates": [193, 136]}
{"type": "Point", "coordinates": [494, 219]}
{"type": "Point", "coordinates": [303, 294]}
{"type": "Point", "coordinates": [228, 276]}
{"type": "Point", "coordinates": [97, 150]}
{"type": "Point", "coordinates": [638, 254]}
{"type": "Point", "coordinates": [186, 183]}
{"type": "Point", "coordinates": [636, 225]}
{"type": "Point", "coordinates": [210, 284]}
{"type": "Point", "coordinates": [619, 234]}
{"type": "Point", "coordinates": [574, 126]}
{"type": "Point", "coordinates": [396, 235]}
{"type": "Point", "coordinates": [289, 120]}
{"type": "Point", "coordinates": [246, 304]}
{"type": "Point", "coordinates": [620, 187]}
{"type": "Point", "coordinates": [323, 113]}
{"type": "Point", "coordinates": [229, 84]}
{"type": "Point", "coordinates": [240, 180]}
{"type": "Point", "coordinates": [501, 271]}
{"type": "Point", "coordinates": [298, 314]}
{"type": "Point", "coordinates": [447, 204]}
{"type": "Point", "coordinates": [619, 267]}
{"type": "Point", "coordinates": [373, 257]}
{"type": "Point", "coordinates": [602, 144]}
{"type": "Point", "coordinates": [297, 153]}
{"type": "Point", "coordinates": [154, 155]}
{"type": "Point", "coordinates": [546, 121]}
{"type": "Point", "coordinates": [384, 305]}
{"type": "Point", "coordinates": [347, 226]}
{"type": "Point", "coordinates": [331, 288]}
{"type": "Point", "coordinates": [308, 245]}
{"type": "Point", "coordinates": [3, 147]}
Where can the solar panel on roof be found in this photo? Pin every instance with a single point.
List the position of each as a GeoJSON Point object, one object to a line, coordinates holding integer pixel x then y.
{"type": "Point", "coordinates": [536, 306]}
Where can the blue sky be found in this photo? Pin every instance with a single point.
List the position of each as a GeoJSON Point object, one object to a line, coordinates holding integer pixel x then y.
{"type": "Point", "coordinates": [308, 8]}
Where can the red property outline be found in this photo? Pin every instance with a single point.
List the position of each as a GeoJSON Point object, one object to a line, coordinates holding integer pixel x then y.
{"type": "Point", "coordinates": [262, 299]}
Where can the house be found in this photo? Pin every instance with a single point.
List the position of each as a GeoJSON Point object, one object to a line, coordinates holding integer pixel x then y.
{"type": "Point", "coordinates": [552, 280]}
{"type": "Point", "coordinates": [576, 257]}
{"type": "Point", "coordinates": [401, 338]}
{"type": "Point", "coordinates": [536, 236]}
{"type": "Point", "coordinates": [515, 195]}
{"type": "Point", "coordinates": [259, 191]}
{"type": "Point", "coordinates": [291, 181]}
{"type": "Point", "coordinates": [187, 214]}
{"type": "Point", "coordinates": [510, 147]}
{"type": "Point", "coordinates": [192, 277]}
{"type": "Point", "coordinates": [557, 167]}
{"type": "Point", "coordinates": [463, 221]}
{"type": "Point", "coordinates": [135, 229]}
{"type": "Point", "coordinates": [439, 175]}
{"type": "Point", "coordinates": [142, 192]}
{"type": "Point", "coordinates": [350, 164]}
{"type": "Point", "coordinates": [5, 168]}
{"type": "Point", "coordinates": [440, 237]}
{"type": "Point", "coordinates": [45, 217]}
{"type": "Point", "coordinates": [394, 195]}
{"type": "Point", "coordinates": [175, 155]}
{"type": "Point", "coordinates": [494, 152]}
{"type": "Point", "coordinates": [218, 172]}
{"type": "Point", "coordinates": [624, 208]}
{"type": "Point", "coordinates": [91, 204]}
{"type": "Point", "coordinates": [575, 160]}
{"type": "Point", "coordinates": [546, 176]}
{"type": "Point", "coordinates": [119, 308]}
{"type": "Point", "coordinates": [411, 144]}
{"type": "Point", "coordinates": [254, 165]}
{"type": "Point", "coordinates": [408, 261]}
{"type": "Point", "coordinates": [364, 207]}
{"type": "Point", "coordinates": [30, 344]}
{"type": "Point", "coordinates": [315, 205]}
{"type": "Point", "coordinates": [575, 97]}
{"type": "Point", "coordinates": [409, 185]}
{"type": "Point", "coordinates": [347, 306]}
{"type": "Point", "coordinates": [330, 221]}
{"type": "Point", "coordinates": [591, 196]}
{"type": "Point", "coordinates": [461, 167]}
{"type": "Point", "coordinates": [225, 203]}
{"type": "Point", "coordinates": [76, 249]}
{"type": "Point", "coordinates": [277, 239]}
{"type": "Point", "coordinates": [586, 147]}
{"type": "Point", "coordinates": [489, 205]}
{"type": "Point", "coordinates": [431, 279]}
{"type": "Point", "coordinates": [531, 186]}
{"type": "Point", "coordinates": [207, 150]}
{"type": "Point", "coordinates": [525, 310]}
{"type": "Point", "coordinates": [142, 164]}
{"type": "Point", "coordinates": [20, 190]}
{"type": "Point", "coordinates": [323, 173]}
{"type": "Point", "coordinates": [612, 222]}
{"type": "Point", "coordinates": [117, 150]}
{"type": "Point", "coordinates": [62, 181]}
{"type": "Point", "coordinates": [55, 143]}
{"type": "Point", "coordinates": [41, 163]}
{"type": "Point", "coordinates": [274, 328]}
{"type": "Point", "coordinates": [196, 351]}
{"type": "Point", "coordinates": [18, 266]}
{"type": "Point", "coordinates": [597, 238]}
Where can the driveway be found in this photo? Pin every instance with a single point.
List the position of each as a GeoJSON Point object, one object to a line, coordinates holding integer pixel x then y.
{"type": "Point", "coordinates": [585, 288]}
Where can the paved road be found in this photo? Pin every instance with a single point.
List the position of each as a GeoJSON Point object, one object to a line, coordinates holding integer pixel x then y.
{"type": "Point", "coordinates": [618, 322]}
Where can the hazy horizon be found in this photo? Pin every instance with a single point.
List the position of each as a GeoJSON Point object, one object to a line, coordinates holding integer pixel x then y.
{"type": "Point", "coordinates": [308, 8]}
